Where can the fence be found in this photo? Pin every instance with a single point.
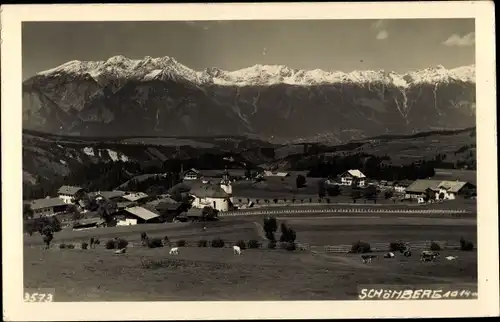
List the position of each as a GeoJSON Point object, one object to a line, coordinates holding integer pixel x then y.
{"type": "Point", "coordinates": [385, 247]}
{"type": "Point", "coordinates": [341, 210]}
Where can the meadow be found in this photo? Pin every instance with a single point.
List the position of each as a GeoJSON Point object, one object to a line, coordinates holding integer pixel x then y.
{"type": "Point", "coordinates": [145, 274]}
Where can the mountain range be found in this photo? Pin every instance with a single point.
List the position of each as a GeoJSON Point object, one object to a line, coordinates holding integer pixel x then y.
{"type": "Point", "coordinates": [162, 97]}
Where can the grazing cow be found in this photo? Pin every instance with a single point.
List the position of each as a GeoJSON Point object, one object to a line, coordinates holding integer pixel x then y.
{"type": "Point", "coordinates": [367, 258]}
{"type": "Point", "coordinates": [174, 251]}
{"type": "Point", "coordinates": [237, 250]}
{"type": "Point", "coordinates": [427, 256]}
{"type": "Point", "coordinates": [451, 258]}
{"type": "Point", "coordinates": [389, 255]}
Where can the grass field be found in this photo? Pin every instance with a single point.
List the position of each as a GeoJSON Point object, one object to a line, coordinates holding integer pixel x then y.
{"type": "Point", "coordinates": [258, 274]}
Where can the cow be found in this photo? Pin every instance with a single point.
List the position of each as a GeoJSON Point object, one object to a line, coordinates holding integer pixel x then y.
{"type": "Point", "coordinates": [389, 255]}
{"type": "Point", "coordinates": [451, 258]}
{"type": "Point", "coordinates": [427, 256]}
{"type": "Point", "coordinates": [367, 258]}
{"type": "Point", "coordinates": [236, 250]}
{"type": "Point", "coordinates": [120, 251]}
{"type": "Point", "coordinates": [174, 251]}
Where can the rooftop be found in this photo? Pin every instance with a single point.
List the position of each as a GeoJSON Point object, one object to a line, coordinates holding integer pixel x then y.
{"type": "Point", "coordinates": [69, 190]}
{"type": "Point", "coordinates": [46, 202]}
{"type": "Point", "coordinates": [142, 213]}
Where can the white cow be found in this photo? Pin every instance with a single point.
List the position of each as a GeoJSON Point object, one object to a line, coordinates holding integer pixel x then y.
{"type": "Point", "coordinates": [174, 251]}
{"type": "Point", "coordinates": [389, 255]}
{"type": "Point", "coordinates": [237, 250]}
{"type": "Point", "coordinates": [450, 258]}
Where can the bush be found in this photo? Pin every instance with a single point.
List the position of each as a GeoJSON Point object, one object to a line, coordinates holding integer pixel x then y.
{"type": "Point", "coordinates": [70, 246]}
{"type": "Point", "coordinates": [435, 246]}
{"type": "Point", "coordinates": [396, 246]}
{"type": "Point", "coordinates": [62, 246]}
{"type": "Point", "coordinates": [253, 244]}
{"type": "Point", "coordinates": [202, 243]}
{"type": "Point", "coordinates": [85, 245]}
{"type": "Point", "coordinates": [241, 244]}
{"type": "Point", "coordinates": [360, 247]}
{"type": "Point", "coordinates": [290, 246]}
{"type": "Point", "coordinates": [121, 243]}
{"type": "Point", "coordinates": [271, 244]}
{"type": "Point", "coordinates": [155, 242]}
{"type": "Point", "coordinates": [218, 243]}
{"type": "Point", "coordinates": [180, 243]}
{"type": "Point", "coordinates": [466, 245]}
{"type": "Point", "coordinates": [110, 244]}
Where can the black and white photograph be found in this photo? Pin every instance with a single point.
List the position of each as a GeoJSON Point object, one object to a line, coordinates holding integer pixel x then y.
{"type": "Point", "coordinates": [253, 159]}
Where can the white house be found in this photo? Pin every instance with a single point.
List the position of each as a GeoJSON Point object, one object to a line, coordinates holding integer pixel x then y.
{"type": "Point", "coordinates": [69, 193]}
{"type": "Point", "coordinates": [192, 174]}
{"type": "Point", "coordinates": [349, 176]}
{"type": "Point", "coordinates": [212, 196]}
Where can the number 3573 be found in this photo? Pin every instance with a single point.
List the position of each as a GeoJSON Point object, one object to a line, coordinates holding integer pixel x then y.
{"type": "Point", "coordinates": [38, 297]}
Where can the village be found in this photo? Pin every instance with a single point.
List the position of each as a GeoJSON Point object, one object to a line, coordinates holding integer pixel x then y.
{"type": "Point", "coordinates": [208, 194]}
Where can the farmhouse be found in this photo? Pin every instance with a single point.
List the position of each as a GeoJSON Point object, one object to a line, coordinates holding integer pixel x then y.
{"type": "Point", "coordinates": [347, 178]}
{"type": "Point", "coordinates": [88, 223]}
{"type": "Point", "coordinates": [212, 196]}
{"type": "Point", "coordinates": [136, 215]}
{"type": "Point", "coordinates": [192, 174]}
{"type": "Point", "coordinates": [419, 187]}
{"type": "Point", "coordinates": [190, 215]}
{"type": "Point", "coordinates": [107, 195]}
{"type": "Point", "coordinates": [47, 207]}
{"type": "Point", "coordinates": [450, 190]}
{"type": "Point", "coordinates": [69, 193]}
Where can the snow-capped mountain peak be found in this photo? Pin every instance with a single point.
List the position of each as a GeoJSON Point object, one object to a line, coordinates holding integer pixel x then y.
{"type": "Point", "coordinates": [121, 67]}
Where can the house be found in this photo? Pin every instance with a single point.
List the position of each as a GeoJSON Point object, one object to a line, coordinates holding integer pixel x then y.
{"type": "Point", "coordinates": [89, 223]}
{"type": "Point", "coordinates": [419, 187]}
{"type": "Point", "coordinates": [167, 208]}
{"type": "Point", "coordinates": [69, 193]}
{"type": "Point", "coordinates": [108, 195]}
{"type": "Point", "coordinates": [268, 173]}
{"type": "Point", "coordinates": [190, 215]}
{"type": "Point", "coordinates": [135, 196]}
{"type": "Point", "coordinates": [137, 215]}
{"type": "Point", "coordinates": [400, 186]}
{"type": "Point", "coordinates": [347, 178]}
{"type": "Point", "coordinates": [192, 174]}
{"type": "Point", "coordinates": [450, 190]}
{"type": "Point", "coordinates": [212, 196]}
{"type": "Point", "coordinates": [47, 207]}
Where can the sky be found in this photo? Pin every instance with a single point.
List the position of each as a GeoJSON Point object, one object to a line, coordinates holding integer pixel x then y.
{"type": "Point", "coordinates": [344, 45]}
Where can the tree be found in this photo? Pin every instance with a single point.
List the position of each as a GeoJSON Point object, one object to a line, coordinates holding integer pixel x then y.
{"type": "Point", "coordinates": [388, 194]}
{"type": "Point", "coordinates": [355, 194]}
{"type": "Point", "coordinates": [370, 193]}
{"type": "Point", "coordinates": [300, 181]}
{"type": "Point", "coordinates": [28, 212]}
{"type": "Point", "coordinates": [209, 213]}
{"type": "Point", "coordinates": [429, 195]}
{"type": "Point", "coordinates": [270, 227]}
{"type": "Point", "coordinates": [321, 189]}
{"type": "Point", "coordinates": [287, 234]}
{"type": "Point", "coordinates": [333, 190]}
